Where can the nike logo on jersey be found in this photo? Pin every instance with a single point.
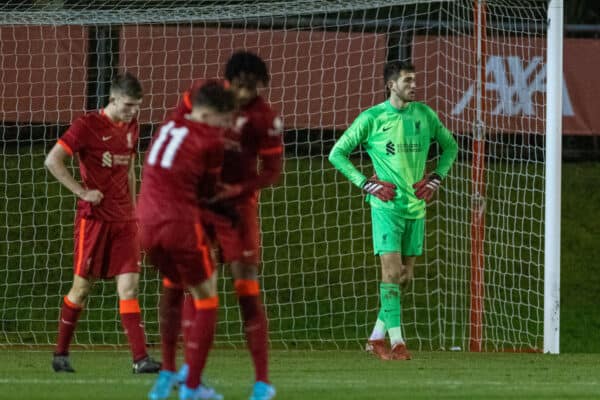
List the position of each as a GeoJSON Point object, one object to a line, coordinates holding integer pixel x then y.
{"type": "Point", "coordinates": [105, 138]}
{"type": "Point", "coordinates": [386, 128]}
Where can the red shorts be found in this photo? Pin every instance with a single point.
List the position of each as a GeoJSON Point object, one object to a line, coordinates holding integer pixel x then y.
{"type": "Point", "coordinates": [179, 250]}
{"type": "Point", "coordinates": [239, 241]}
{"type": "Point", "coordinates": [105, 249]}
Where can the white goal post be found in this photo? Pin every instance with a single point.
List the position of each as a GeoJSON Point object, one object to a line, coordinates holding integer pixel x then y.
{"type": "Point", "coordinates": [553, 178]}
{"type": "Point", "coordinates": [489, 278]}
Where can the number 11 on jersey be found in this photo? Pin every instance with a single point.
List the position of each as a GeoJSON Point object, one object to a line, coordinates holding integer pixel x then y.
{"type": "Point", "coordinates": [175, 137]}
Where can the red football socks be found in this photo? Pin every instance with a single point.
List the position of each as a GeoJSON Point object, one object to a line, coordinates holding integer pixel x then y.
{"type": "Point", "coordinates": [188, 317]}
{"type": "Point", "coordinates": [201, 339]}
{"type": "Point", "coordinates": [255, 326]}
{"type": "Point", "coordinates": [170, 318]}
{"type": "Point", "coordinates": [131, 318]}
{"type": "Point", "coordinates": [69, 315]}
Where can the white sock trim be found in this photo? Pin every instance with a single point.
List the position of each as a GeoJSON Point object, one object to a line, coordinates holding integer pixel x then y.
{"type": "Point", "coordinates": [378, 331]}
{"type": "Point", "coordinates": [396, 335]}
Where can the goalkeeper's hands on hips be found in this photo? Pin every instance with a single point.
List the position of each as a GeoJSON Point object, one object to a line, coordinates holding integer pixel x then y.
{"type": "Point", "coordinates": [426, 187]}
{"type": "Point", "coordinates": [384, 191]}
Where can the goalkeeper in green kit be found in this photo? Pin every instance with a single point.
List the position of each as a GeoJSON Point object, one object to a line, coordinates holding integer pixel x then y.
{"type": "Point", "coordinates": [397, 135]}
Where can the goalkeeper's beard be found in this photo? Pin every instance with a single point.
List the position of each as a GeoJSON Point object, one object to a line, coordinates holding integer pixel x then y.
{"type": "Point", "coordinates": [406, 95]}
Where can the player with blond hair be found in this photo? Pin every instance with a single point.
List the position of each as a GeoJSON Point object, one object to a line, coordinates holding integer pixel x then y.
{"type": "Point", "coordinates": [106, 234]}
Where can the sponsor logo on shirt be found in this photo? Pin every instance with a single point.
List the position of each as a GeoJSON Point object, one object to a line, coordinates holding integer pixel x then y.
{"type": "Point", "coordinates": [109, 160]}
{"type": "Point", "coordinates": [393, 148]}
{"type": "Point", "coordinates": [106, 159]}
{"type": "Point", "coordinates": [408, 147]}
{"type": "Point", "coordinates": [120, 159]}
{"type": "Point", "coordinates": [390, 149]}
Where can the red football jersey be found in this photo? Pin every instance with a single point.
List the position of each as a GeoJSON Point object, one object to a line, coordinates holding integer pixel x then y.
{"type": "Point", "coordinates": [182, 166]}
{"type": "Point", "coordinates": [105, 150]}
{"type": "Point", "coordinates": [258, 131]}
{"type": "Point", "coordinates": [257, 137]}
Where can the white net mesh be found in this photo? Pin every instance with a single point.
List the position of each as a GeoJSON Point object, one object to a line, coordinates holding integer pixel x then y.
{"type": "Point", "coordinates": [320, 278]}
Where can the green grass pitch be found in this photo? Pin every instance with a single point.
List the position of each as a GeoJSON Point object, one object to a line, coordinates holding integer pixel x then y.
{"type": "Point", "coordinates": [322, 375]}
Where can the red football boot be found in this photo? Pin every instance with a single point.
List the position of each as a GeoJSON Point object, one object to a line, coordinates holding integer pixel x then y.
{"type": "Point", "coordinates": [399, 352]}
{"type": "Point", "coordinates": [379, 348]}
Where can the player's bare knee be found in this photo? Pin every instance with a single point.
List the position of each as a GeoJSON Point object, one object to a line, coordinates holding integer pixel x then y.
{"type": "Point", "coordinates": [128, 292]}
{"type": "Point", "coordinates": [205, 289]}
{"type": "Point", "coordinates": [80, 290]}
{"type": "Point", "coordinates": [244, 271]}
{"type": "Point", "coordinates": [127, 285]}
{"type": "Point", "coordinates": [208, 288]}
{"type": "Point", "coordinates": [404, 276]}
{"type": "Point", "coordinates": [78, 295]}
{"type": "Point", "coordinates": [127, 288]}
{"type": "Point", "coordinates": [391, 277]}
{"type": "Point", "coordinates": [403, 280]}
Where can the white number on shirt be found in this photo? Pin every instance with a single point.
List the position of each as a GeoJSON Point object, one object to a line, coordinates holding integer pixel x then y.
{"type": "Point", "coordinates": [175, 137]}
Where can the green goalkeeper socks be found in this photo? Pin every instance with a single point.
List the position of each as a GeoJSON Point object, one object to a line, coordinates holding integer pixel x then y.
{"type": "Point", "coordinates": [390, 310]}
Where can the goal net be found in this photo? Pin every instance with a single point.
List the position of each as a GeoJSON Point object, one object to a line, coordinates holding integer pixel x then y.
{"type": "Point", "coordinates": [319, 274]}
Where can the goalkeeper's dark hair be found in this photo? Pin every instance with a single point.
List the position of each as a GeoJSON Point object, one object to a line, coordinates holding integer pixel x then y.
{"type": "Point", "coordinates": [247, 63]}
{"type": "Point", "coordinates": [391, 71]}
{"type": "Point", "coordinates": [215, 95]}
{"type": "Point", "coordinates": [127, 84]}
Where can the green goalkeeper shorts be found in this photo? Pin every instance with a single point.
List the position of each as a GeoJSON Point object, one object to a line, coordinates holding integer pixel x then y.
{"type": "Point", "coordinates": [394, 234]}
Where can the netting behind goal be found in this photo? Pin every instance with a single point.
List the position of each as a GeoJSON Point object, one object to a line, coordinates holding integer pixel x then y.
{"type": "Point", "coordinates": [320, 278]}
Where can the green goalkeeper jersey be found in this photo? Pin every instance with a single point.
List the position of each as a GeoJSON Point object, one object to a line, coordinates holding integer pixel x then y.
{"type": "Point", "coordinates": [397, 142]}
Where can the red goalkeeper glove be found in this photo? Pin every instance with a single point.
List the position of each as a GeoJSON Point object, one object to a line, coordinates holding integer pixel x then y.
{"type": "Point", "coordinates": [384, 191]}
{"type": "Point", "coordinates": [426, 187]}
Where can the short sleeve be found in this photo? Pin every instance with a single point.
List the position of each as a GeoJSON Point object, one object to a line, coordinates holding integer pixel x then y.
{"type": "Point", "coordinates": [73, 140]}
